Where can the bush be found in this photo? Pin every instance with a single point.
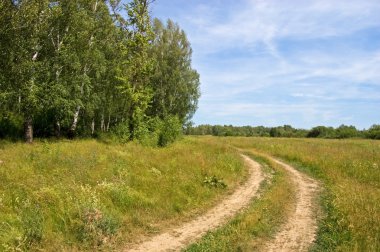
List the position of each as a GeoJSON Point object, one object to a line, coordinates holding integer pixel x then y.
{"type": "Point", "coordinates": [148, 132]}
{"type": "Point", "coordinates": [170, 131]}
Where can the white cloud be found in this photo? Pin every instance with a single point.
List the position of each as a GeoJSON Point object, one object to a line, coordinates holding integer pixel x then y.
{"type": "Point", "coordinates": [239, 51]}
{"type": "Point", "coordinates": [259, 21]}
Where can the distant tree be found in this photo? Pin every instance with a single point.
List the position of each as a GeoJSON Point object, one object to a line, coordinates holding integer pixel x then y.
{"type": "Point", "coordinates": [373, 132]}
{"type": "Point", "coordinates": [322, 132]}
{"type": "Point", "coordinates": [344, 131]}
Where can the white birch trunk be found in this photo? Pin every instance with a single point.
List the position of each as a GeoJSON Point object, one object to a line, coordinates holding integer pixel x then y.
{"type": "Point", "coordinates": [85, 70]}
{"type": "Point", "coordinates": [102, 127]}
{"type": "Point", "coordinates": [92, 126]}
{"type": "Point", "coordinates": [108, 123]}
{"type": "Point", "coordinates": [75, 119]}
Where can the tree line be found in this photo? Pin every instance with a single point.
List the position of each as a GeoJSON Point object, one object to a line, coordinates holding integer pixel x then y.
{"type": "Point", "coordinates": [343, 131]}
{"type": "Point", "coordinates": [84, 67]}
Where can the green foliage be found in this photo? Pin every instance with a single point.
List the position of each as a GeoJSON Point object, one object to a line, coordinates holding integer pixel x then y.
{"type": "Point", "coordinates": [322, 132]}
{"type": "Point", "coordinates": [342, 131]}
{"type": "Point", "coordinates": [175, 83]}
{"type": "Point", "coordinates": [78, 68]}
{"type": "Point", "coordinates": [121, 132]}
{"type": "Point", "coordinates": [373, 132]}
{"type": "Point", "coordinates": [214, 181]}
{"type": "Point", "coordinates": [11, 125]}
{"type": "Point", "coordinates": [170, 130]}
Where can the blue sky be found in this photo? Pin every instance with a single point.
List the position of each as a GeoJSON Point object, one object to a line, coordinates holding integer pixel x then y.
{"type": "Point", "coordinates": [274, 62]}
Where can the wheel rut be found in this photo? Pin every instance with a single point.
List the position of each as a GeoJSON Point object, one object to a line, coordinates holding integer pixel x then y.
{"type": "Point", "coordinates": [299, 231]}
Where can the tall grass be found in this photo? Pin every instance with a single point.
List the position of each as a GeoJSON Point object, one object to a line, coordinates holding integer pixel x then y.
{"type": "Point", "coordinates": [350, 170]}
{"type": "Point", "coordinates": [86, 195]}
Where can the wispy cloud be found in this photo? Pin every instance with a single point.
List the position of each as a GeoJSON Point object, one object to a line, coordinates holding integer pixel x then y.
{"type": "Point", "coordinates": [304, 62]}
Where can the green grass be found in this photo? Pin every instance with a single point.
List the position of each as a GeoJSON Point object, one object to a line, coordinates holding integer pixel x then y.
{"type": "Point", "coordinates": [350, 172]}
{"type": "Point", "coordinates": [86, 195]}
{"type": "Point", "coordinates": [252, 228]}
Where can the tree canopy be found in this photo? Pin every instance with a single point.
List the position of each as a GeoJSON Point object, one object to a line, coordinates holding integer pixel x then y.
{"type": "Point", "coordinates": [80, 67]}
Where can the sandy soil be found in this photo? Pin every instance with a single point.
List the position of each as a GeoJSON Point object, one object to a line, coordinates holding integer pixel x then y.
{"type": "Point", "coordinates": [188, 233]}
{"type": "Point", "coordinates": [299, 232]}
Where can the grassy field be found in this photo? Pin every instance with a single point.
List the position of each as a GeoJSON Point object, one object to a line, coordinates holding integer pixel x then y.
{"type": "Point", "coordinates": [86, 195]}
{"type": "Point", "coordinates": [350, 172]}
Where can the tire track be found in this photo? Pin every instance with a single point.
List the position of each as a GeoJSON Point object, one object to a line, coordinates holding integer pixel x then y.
{"type": "Point", "coordinates": [299, 232]}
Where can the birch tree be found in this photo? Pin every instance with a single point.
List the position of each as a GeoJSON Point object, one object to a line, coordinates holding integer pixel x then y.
{"type": "Point", "coordinates": [175, 83]}
{"type": "Point", "coordinates": [25, 32]}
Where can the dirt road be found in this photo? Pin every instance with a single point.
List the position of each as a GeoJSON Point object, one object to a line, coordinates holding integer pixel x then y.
{"type": "Point", "coordinates": [182, 236]}
{"type": "Point", "coordinates": [299, 232]}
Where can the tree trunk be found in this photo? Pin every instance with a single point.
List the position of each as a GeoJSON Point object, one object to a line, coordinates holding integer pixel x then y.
{"type": "Point", "coordinates": [108, 123]}
{"type": "Point", "coordinates": [92, 126]}
{"type": "Point", "coordinates": [28, 130]}
{"type": "Point", "coordinates": [74, 124]}
{"type": "Point", "coordinates": [85, 71]}
{"type": "Point", "coordinates": [57, 129]}
{"type": "Point", "coordinates": [75, 119]}
{"type": "Point", "coordinates": [102, 127]}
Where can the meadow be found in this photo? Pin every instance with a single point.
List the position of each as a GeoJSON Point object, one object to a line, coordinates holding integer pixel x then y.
{"type": "Point", "coordinates": [90, 195]}
{"type": "Point", "coordinates": [350, 172]}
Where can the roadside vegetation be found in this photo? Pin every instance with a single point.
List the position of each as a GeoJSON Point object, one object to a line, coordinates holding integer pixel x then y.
{"type": "Point", "coordinates": [350, 172]}
{"type": "Point", "coordinates": [91, 195]}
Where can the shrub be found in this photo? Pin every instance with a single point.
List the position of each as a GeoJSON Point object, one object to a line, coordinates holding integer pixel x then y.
{"type": "Point", "coordinates": [96, 227]}
{"type": "Point", "coordinates": [121, 132]}
{"type": "Point", "coordinates": [215, 182]}
{"type": "Point", "coordinates": [170, 131]}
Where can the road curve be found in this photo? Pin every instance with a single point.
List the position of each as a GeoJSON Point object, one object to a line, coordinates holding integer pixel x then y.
{"type": "Point", "coordinates": [180, 237]}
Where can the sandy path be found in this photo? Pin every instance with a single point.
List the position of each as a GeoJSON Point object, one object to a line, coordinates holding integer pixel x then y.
{"type": "Point", "coordinates": [299, 232]}
{"type": "Point", "coordinates": [182, 236]}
